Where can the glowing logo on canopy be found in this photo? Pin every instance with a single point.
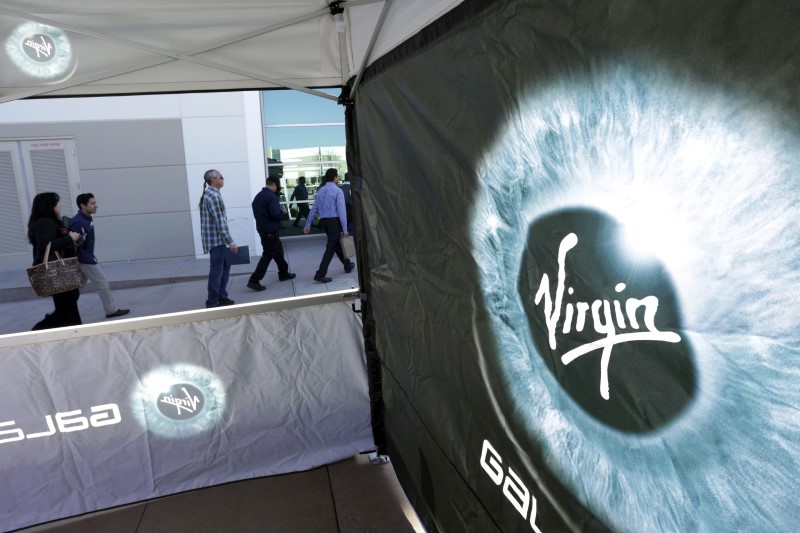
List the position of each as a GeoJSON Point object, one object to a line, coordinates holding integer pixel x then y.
{"type": "Point", "coordinates": [41, 51]}
{"type": "Point", "coordinates": [179, 401]}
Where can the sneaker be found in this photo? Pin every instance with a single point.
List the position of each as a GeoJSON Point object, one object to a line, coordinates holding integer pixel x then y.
{"type": "Point", "coordinates": [256, 286]}
{"type": "Point", "coordinates": [287, 276]}
{"type": "Point", "coordinates": [118, 312]}
{"type": "Point", "coordinates": [350, 266]}
{"type": "Point", "coordinates": [225, 301]}
{"type": "Point", "coordinates": [322, 279]}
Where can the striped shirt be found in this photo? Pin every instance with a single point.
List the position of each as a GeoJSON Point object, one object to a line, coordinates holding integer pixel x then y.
{"type": "Point", "coordinates": [213, 221]}
{"type": "Point", "coordinates": [329, 203]}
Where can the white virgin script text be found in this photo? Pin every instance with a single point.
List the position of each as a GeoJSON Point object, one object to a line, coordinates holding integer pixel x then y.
{"type": "Point", "coordinates": [603, 325]}
{"type": "Point", "coordinates": [42, 49]}
{"type": "Point", "coordinates": [188, 404]}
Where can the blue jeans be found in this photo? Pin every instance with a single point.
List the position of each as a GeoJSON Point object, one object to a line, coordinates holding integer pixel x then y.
{"type": "Point", "coordinates": [219, 268]}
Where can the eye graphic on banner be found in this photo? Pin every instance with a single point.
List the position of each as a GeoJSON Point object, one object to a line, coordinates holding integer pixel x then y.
{"type": "Point", "coordinates": [640, 274]}
{"type": "Point", "coordinates": [42, 52]}
{"type": "Point", "coordinates": [178, 401]}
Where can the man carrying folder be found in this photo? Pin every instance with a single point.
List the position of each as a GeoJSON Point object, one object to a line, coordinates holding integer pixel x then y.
{"type": "Point", "coordinates": [216, 238]}
{"type": "Point", "coordinates": [268, 214]}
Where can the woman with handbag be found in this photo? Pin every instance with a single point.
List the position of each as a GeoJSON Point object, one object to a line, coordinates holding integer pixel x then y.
{"type": "Point", "coordinates": [45, 227]}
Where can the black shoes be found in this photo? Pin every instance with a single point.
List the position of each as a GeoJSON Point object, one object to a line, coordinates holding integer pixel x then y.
{"type": "Point", "coordinates": [349, 268]}
{"type": "Point", "coordinates": [322, 279]}
{"type": "Point", "coordinates": [256, 286]}
{"type": "Point", "coordinates": [118, 312]}
{"type": "Point", "coordinates": [222, 302]}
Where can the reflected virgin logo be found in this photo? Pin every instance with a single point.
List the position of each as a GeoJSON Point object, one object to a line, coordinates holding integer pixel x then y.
{"type": "Point", "coordinates": [181, 402]}
{"type": "Point", "coordinates": [604, 321]}
{"type": "Point", "coordinates": [178, 401]}
{"type": "Point", "coordinates": [39, 47]}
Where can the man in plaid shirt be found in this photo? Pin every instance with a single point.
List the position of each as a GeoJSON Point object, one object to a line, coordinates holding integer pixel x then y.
{"type": "Point", "coordinates": [216, 237]}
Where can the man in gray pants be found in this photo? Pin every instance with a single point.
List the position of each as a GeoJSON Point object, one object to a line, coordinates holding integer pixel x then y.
{"type": "Point", "coordinates": [90, 270]}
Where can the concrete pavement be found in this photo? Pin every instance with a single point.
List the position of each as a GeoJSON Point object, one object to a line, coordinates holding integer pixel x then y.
{"type": "Point", "coordinates": [153, 287]}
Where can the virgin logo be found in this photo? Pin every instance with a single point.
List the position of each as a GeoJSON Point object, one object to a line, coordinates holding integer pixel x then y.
{"type": "Point", "coordinates": [43, 49]}
{"type": "Point", "coordinates": [181, 401]}
{"type": "Point", "coordinates": [608, 318]}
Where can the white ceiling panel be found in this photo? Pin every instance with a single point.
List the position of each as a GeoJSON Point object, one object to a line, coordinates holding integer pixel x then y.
{"type": "Point", "coordinates": [58, 48]}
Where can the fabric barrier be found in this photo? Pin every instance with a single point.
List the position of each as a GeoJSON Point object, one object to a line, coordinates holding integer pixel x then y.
{"type": "Point", "coordinates": [581, 224]}
{"type": "Point", "coordinates": [95, 422]}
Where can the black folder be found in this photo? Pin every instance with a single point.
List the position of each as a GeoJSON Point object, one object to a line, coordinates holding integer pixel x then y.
{"type": "Point", "coordinates": [241, 257]}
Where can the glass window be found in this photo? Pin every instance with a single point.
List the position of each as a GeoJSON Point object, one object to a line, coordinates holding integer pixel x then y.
{"type": "Point", "coordinates": [293, 137]}
{"type": "Point", "coordinates": [304, 136]}
{"type": "Point", "coordinates": [295, 107]}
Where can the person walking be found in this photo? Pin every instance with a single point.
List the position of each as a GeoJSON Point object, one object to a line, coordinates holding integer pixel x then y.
{"type": "Point", "coordinates": [268, 214]}
{"type": "Point", "coordinates": [90, 271]}
{"type": "Point", "coordinates": [216, 238]}
{"type": "Point", "coordinates": [329, 205]}
{"type": "Point", "coordinates": [301, 194]}
{"type": "Point", "coordinates": [45, 227]}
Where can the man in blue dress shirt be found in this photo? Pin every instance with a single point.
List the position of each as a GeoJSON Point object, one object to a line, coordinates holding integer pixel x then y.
{"type": "Point", "coordinates": [329, 205]}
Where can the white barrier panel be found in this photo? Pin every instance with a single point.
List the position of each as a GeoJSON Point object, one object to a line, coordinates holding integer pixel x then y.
{"type": "Point", "coordinates": [93, 421]}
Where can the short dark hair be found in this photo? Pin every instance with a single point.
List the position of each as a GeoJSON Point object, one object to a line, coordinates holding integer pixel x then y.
{"type": "Point", "coordinates": [83, 199]}
{"type": "Point", "coordinates": [331, 174]}
{"type": "Point", "coordinates": [301, 179]}
{"type": "Point", "coordinates": [275, 180]}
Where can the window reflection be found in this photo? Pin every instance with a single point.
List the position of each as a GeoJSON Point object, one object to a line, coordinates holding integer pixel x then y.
{"type": "Point", "coordinates": [304, 136]}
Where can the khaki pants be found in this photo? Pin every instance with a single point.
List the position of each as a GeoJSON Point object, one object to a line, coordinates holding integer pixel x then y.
{"type": "Point", "coordinates": [93, 274]}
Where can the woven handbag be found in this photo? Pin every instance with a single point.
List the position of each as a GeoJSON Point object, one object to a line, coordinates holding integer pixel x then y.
{"type": "Point", "coordinates": [53, 277]}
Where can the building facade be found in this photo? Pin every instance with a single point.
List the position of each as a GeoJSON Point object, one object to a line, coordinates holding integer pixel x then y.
{"type": "Point", "coordinates": [143, 157]}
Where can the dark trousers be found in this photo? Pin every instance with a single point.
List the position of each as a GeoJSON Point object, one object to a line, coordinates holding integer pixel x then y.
{"type": "Point", "coordinates": [273, 249]}
{"type": "Point", "coordinates": [302, 212]}
{"type": "Point", "coordinates": [333, 229]}
{"type": "Point", "coordinates": [66, 312]}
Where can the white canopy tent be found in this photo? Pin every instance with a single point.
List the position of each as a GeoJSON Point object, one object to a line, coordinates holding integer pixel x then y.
{"type": "Point", "coordinates": [107, 47]}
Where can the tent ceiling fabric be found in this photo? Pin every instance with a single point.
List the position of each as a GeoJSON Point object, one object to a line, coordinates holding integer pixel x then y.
{"type": "Point", "coordinates": [57, 48]}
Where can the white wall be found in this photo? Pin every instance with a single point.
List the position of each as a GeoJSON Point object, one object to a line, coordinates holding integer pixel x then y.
{"type": "Point", "coordinates": [91, 109]}
{"type": "Point", "coordinates": [219, 133]}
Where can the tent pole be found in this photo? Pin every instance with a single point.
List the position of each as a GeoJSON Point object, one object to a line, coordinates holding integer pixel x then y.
{"type": "Point", "coordinates": [372, 41]}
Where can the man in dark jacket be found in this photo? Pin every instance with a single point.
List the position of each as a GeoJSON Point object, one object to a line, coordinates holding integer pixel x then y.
{"type": "Point", "coordinates": [268, 214]}
{"type": "Point", "coordinates": [90, 271]}
{"type": "Point", "coordinates": [301, 193]}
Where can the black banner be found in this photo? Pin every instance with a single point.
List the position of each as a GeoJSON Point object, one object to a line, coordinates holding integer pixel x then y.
{"type": "Point", "coordinates": [583, 264]}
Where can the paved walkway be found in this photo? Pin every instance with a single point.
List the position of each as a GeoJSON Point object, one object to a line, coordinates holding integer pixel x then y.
{"type": "Point", "coordinates": [160, 286]}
